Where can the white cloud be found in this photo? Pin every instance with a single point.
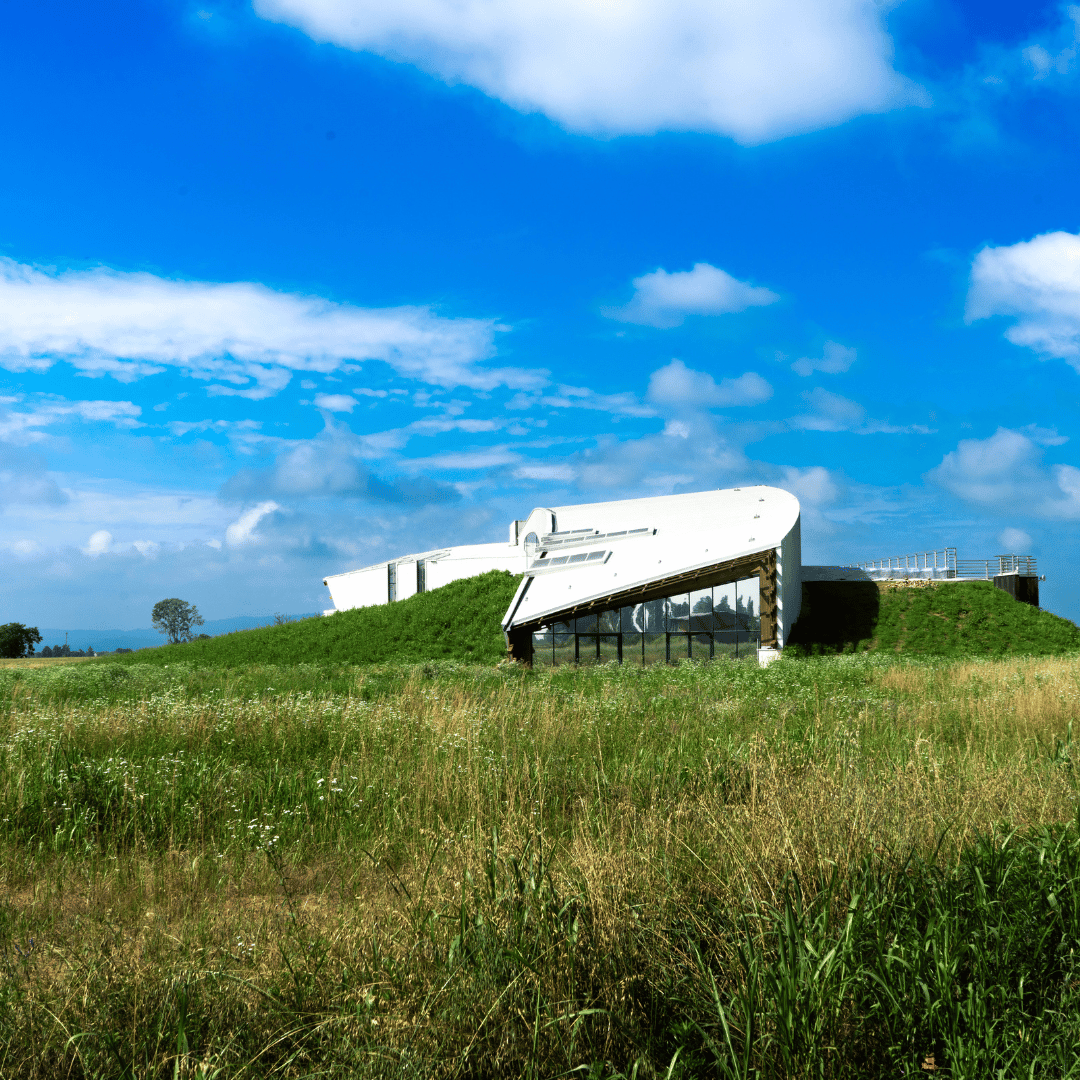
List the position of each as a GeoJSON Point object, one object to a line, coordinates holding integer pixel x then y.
{"type": "Point", "coordinates": [335, 402]}
{"type": "Point", "coordinates": [814, 486]}
{"type": "Point", "coordinates": [1061, 57]}
{"type": "Point", "coordinates": [581, 397]}
{"type": "Point", "coordinates": [1006, 472]}
{"type": "Point", "coordinates": [22, 426]}
{"type": "Point", "coordinates": [560, 472]}
{"type": "Point", "coordinates": [835, 358]}
{"type": "Point", "coordinates": [242, 530]}
{"type": "Point", "coordinates": [752, 69]}
{"type": "Point", "coordinates": [677, 386]}
{"type": "Point", "coordinates": [832, 412]}
{"type": "Point", "coordinates": [99, 543]}
{"type": "Point", "coordinates": [1037, 283]}
{"type": "Point", "coordinates": [243, 338]}
{"type": "Point", "coordinates": [239, 429]}
{"type": "Point", "coordinates": [664, 300]}
{"type": "Point", "coordinates": [1014, 541]}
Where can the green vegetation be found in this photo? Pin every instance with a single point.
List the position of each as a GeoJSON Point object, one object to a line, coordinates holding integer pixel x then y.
{"type": "Point", "coordinates": [17, 640]}
{"type": "Point", "coordinates": [455, 870]}
{"type": "Point", "coordinates": [961, 619]}
{"type": "Point", "coordinates": [460, 621]}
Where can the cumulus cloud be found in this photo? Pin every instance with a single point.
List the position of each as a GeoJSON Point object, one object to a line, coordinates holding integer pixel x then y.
{"type": "Point", "coordinates": [665, 300]}
{"type": "Point", "coordinates": [1006, 472]}
{"type": "Point", "coordinates": [1014, 541]}
{"type": "Point", "coordinates": [242, 530]}
{"type": "Point", "coordinates": [1037, 283]}
{"type": "Point", "coordinates": [749, 69]}
{"type": "Point", "coordinates": [242, 338]}
{"type": "Point", "coordinates": [677, 386]}
{"type": "Point", "coordinates": [331, 465]}
{"type": "Point", "coordinates": [99, 543]}
{"type": "Point", "coordinates": [835, 358]}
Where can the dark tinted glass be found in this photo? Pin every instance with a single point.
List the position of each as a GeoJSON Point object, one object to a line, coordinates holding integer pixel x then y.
{"type": "Point", "coordinates": [677, 611]}
{"type": "Point", "coordinates": [609, 622]}
{"type": "Point", "coordinates": [609, 648]}
{"type": "Point", "coordinates": [586, 624]}
{"type": "Point", "coordinates": [586, 648]}
{"type": "Point", "coordinates": [655, 648]}
{"type": "Point", "coordinates": [654, 616]}
{"type": "Point", "coordinates": [631, 648]}
{"type": "Point", "coordinates": [564, 649]}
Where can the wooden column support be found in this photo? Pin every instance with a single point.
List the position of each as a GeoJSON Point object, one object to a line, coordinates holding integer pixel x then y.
{"type": "Point", "coordinates": [767, 577]}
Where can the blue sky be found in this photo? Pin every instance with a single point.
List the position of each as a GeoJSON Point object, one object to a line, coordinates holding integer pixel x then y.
{"type": "Point", "coordinates": [293, 286]}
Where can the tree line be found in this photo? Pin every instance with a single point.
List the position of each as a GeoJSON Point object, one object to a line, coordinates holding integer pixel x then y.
{"type": "Point", "coordinates": [174, 618]}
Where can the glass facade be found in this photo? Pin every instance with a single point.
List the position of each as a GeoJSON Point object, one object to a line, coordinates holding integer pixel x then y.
{"type": "Point", "coordinates": [698, 625]}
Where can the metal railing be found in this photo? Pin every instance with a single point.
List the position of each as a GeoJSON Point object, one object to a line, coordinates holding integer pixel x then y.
{"type": "Point", "coordinates": [999, 564]}
{"type": "Point", "coordinates": [943, 563]}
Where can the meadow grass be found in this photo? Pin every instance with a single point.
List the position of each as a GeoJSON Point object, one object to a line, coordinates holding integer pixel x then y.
{"type": "Point", "coordinates": [459, 621]}
{"type": "Point", "coordinates": [831, 867]}
{"type": "Point", "coordinates": [929, 618]}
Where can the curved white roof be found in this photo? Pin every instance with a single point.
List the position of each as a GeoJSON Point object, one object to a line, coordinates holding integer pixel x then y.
{"type": "Point", "coordinates": [606, 548]}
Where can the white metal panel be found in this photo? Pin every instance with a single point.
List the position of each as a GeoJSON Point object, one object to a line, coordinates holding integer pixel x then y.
{"type": "Point", "coordinates": [789, 582]}
{"type": "Point", "coordinates": [359, 588]}
{"type": "Point", "coordinates": [692, 531]}
{"type": "Point", "coordinates": [406, 578]}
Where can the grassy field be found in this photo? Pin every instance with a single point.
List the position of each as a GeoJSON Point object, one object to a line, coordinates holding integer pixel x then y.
{"type": "Point", "coordinates": [460, 621]}
{"type": "Point", "coordinates": [846, 866]}
{"type": "Point", "coordinates": [926, 618]}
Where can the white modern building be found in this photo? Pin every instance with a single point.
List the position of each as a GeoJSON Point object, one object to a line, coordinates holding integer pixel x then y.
{"type": "Point", "coordinates": [704, 574]}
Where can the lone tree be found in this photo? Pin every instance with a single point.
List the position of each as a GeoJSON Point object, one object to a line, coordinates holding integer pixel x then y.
{"type": "Point", "coordinates": [17, 640]}
{"type": "Point", "coordinates": [175, 618]}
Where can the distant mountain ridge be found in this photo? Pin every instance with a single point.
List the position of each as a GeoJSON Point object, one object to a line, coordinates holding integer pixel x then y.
{"type": "Point", "coordinates": [146, 638]}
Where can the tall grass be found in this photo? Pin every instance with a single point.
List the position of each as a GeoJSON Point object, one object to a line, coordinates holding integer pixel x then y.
{"type": "Point", "coordinates": [832, 867]}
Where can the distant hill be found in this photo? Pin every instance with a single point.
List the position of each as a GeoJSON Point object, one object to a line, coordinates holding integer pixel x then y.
{"type": "Point", "coordinates": [931, 619]}
{"type": "Point", "coordinates": [111, 640]}
{"type": "Point", "coordinates": [460, 621]}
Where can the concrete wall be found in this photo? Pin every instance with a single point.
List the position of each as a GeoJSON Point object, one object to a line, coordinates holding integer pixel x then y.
{"type": "Point", "coordinates": [789, 581]}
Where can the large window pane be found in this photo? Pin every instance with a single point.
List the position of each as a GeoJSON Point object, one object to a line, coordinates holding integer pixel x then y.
{"type": "Point", "coordinates": [678, 647]}
{"type": "Point", "coordinates": [701, 646]}
{"type": "Point", "coordinates": [749, 604]}
{"type": "Point", "coordinates": [724, 601]}
{"type": "Point", "coordinates": [724, 645]}
{"type": "Point", "coordinates": [563, 649]}
{"type": "Point", "coordinates": [631, 648]}
{"type": "Point", "coordinates": [609, 648]}
{"type": "Point", "coordinates": [542, 648]}
{"type": "Point", "coordinates": [654, 616]}
{"type": "Point", "coordinates": [609, 622]}
{"type": "Point", "coordinates": [586, 648]}
{"type": "Point", "coordinates": [655, 648]}
{"type": "Point", "coordinates": [586, 624]}
{"type": "Point", "coordinates": [563, 627]}
{"type": "Point", "coordinates": [633, 619]}
{"type": "Point", "coordinates": [677, 611]}
{"type": "Point", "coordinates": [701, 616]}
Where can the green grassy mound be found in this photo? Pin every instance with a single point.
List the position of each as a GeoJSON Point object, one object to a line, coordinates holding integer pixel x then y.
{"type": "Point", "coordinates": [460, 621]}
{"type": "Point", "coordinates": [968, 618]}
